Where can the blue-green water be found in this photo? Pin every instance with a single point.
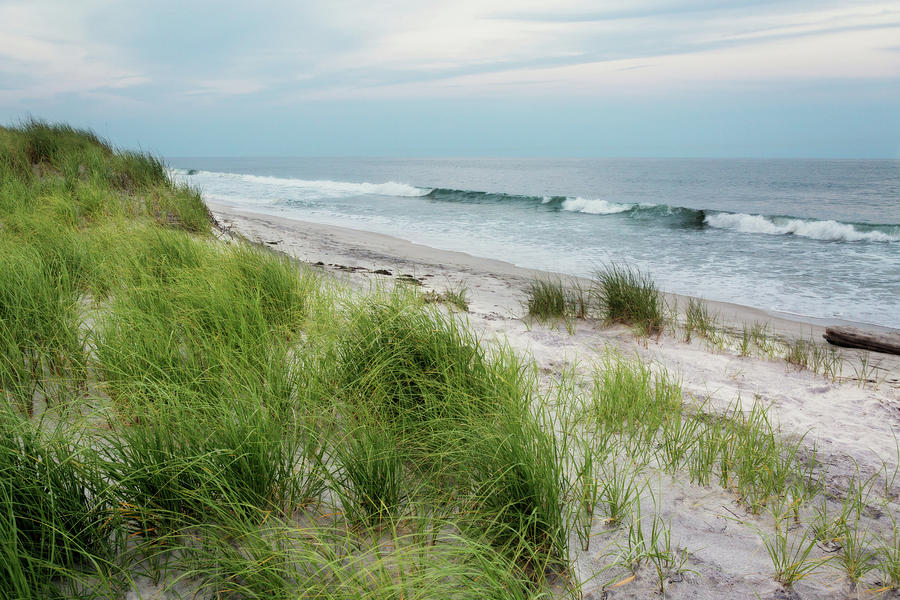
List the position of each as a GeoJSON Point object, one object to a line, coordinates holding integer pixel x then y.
{"type": "Point", "coordinates": [818, 238]}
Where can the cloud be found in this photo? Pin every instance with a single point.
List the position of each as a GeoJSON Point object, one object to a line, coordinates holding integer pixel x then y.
{"type": "Point", "coordinates": [477, 47]}
{"type": "Point", "coordinates": [226, 87]}
{"type": "Point", "coordinates": [280, 52]}
{"type": "Point", "coordinates": [53, 57]}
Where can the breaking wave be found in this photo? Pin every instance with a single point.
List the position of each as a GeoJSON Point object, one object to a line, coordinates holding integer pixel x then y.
{"type": "Point", "coordinates": [678, 216]}
{"type": "Point", "coordinates": [810, 228]}
{"type": "Point", "coordinates": [265, 187]}
{"type": "Point", "coordinates": [322, 187]}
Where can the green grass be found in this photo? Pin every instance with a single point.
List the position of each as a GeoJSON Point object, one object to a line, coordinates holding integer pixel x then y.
{"type": "Point", "coordinates": [189, 452]}
{"type": "Point", "coordinates": [519, 491]}
{"type": "Point", "coordinates": [39, 322]}
{"type": "Point", "coordinates": [549, 299]}
{"type": "Point", "coordinates": [220, 420]}
{"type": "Point", "coordinates": [697, 319]}
{"type": "Point", "coordinates": [75, 170]}
{"type": "Point", "coordinates": [645, 410]}
{"type": "Point", "coordinates": [590, 452]}
{"type": "Point", "coordinates": [371, 482]}
{"type": "Point", "coordinates": [546, 299]}
{"type": "Point", "coordinates": [790, 553]}
{"type": "Point", "coordinates": [284, 561]}
{"type": "Point", "coordinates": [198, 320]}
{"type": "Point", "coordinates": [629, 398]}
{"type": "Point", "coordinates": [651, 546]}
{"type": "Point", "coordinates": [627, 295]}
{"type": "Point", "coordinates": [888, 549]}
{"type": "Point", "coordinates": [621, 490]}
{"type": "Point", "coordinates": [53, 520]}
{"type": "Point", "coordinates": [229, 392]}
{"type": "Point", "coordinates": [402, 358]}
{"type": "Point", "coordinates": [53, 143]}
{"type": "Point", "coordinates": [460, 416]}
{"type": "Point", "coordinates": [455, 296]}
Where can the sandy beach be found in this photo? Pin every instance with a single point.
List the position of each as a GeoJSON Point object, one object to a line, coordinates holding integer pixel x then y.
{"type": "Point", "coordinates": [450, 301]}
{"type": "Point", "coordinates": [851, 421]}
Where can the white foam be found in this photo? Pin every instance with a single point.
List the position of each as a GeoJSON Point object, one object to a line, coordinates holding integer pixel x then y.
{"type": "Point", "coordinates": [328, 187]}
{"type": "Point", "coordinates": [313, 187]}
{"type": "Point", "coordinates": [236, 199]}
{"type": "Point", "coordinates": [817, 230]}
{"type": "Point", "coordinates": [594, 207]}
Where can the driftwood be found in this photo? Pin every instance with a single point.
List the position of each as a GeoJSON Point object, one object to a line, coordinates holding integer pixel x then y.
{"type": "Point", "coordinates": [850, 337]}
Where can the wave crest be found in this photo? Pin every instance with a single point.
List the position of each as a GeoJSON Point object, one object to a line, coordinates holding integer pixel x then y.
{"type": "Point", "coordinates": [265, 189]}
{"type": "Point", "coordinates": [595, 206]}
{"type": "Point", "coordinates": [324, 187]}
{"type": "Point", "coordinates": [817, 230]}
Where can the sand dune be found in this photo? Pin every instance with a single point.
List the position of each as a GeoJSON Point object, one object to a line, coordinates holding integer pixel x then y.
{"type": "Point", "coordinates": [851, 423]}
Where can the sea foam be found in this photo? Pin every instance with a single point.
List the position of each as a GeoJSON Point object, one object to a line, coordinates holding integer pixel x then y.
{"type": "Point", "coordinates": [314, 187]}
{"type": "Point", "coordinates": [594, 207]}
{"type": "Point", "coordinates": [330, 188]}
{"type": "Point", "coordinates": [817, 230]}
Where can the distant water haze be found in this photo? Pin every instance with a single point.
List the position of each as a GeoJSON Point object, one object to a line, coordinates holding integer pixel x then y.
{"type": "Point", "coordinates": [816, 238]}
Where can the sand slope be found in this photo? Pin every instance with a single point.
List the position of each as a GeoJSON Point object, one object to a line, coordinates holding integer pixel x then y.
{"type": "Point", "coordinates": [851, 423]}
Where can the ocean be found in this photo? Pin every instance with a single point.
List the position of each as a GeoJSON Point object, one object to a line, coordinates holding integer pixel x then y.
{"type": "Point", "coordinates": [819, 239]}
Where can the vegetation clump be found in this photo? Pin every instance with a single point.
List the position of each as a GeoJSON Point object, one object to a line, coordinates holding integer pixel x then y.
{"type": "Point", "coordinates": [618, 294]}
{"type": "Point", "coordinates": [546, 299]}
{"type": "Point", "coordinates": [627, 295]}
{"type": "Point", "coordinates": [221, 391]}
{"type": "Point", "coordinates": [52, 520]}
{"type": "Point", "coordinates": [456, 296]}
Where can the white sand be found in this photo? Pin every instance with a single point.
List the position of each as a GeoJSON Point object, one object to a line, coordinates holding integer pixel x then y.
{"type": "Point", "coordinates": [851, 424]}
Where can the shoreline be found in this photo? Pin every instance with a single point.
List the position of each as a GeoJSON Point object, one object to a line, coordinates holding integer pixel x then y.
{"type": "Point", "coordinates": [359, 248]}
{"type": "Point", "coordinates": [848, 421]}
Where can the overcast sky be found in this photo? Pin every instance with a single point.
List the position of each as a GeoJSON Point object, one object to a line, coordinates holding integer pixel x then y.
{"type": "Point", "coordinates": [804, 78]}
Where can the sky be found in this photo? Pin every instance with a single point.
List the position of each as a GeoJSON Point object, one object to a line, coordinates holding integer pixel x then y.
{"type": "Point", "coordinates": [730, 78]}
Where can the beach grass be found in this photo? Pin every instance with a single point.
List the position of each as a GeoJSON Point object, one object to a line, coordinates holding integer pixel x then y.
{"type": "Point", "coordinates": [625, 294]}
{"type": "Point", "coordinates": [789, 552]}
{"type": "Point", "coordinates": [698, 319]}
{"type": "Point", "coordinates": [54, 521]}
{"type": "Point", "coordinates": [219, 419]}
{"type": "Point", "coordinates": [39, 324]}
{"type": "Point", "coordinates": [456, 296]}
{"type": "Point", "coordinates": [552, 299]}
{"type": "Point", "coordinates": [546, 299]}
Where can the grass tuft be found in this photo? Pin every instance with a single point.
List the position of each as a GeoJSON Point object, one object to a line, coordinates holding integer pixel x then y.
{"type": "Point", "coordinates": [53, 521]}
{"type": "Point", "coordinates": [546, 299]}
{"type": "Point", "coordinates": [39, 324]}
{"type": "Point", "coordinates": [456, 296]}
{"type": "Point", "coordinates": [697, 318]}
{"type": "Point", "coordinates": [627, 295]}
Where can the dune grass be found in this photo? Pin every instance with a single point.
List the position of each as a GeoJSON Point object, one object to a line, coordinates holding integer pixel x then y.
{"type": "Point", "coordinates": [456, 296]}
{"type": "Point", "coordinates": [53, 522]}
{"type": "Point", "coordinates": [546, 299]}
{"type": "Point", "coordinates": [697, 319]}
{"type": "Point", "coordinates": [242, 391]}
{"type": "Point", "coordinates": [215, 417]}
{"type": "Point", "coordinates": [39, 321]}
{"type": "Point", "coordinates": [627, 295]}
{"type": "Point", "coordinates": [460, 421]}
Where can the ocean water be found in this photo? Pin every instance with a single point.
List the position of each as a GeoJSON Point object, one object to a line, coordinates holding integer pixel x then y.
{"type": "Point", "coordinates": [814, 238]}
